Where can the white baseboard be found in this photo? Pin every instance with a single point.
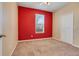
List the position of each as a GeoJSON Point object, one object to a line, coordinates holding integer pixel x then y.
{"type": "Point", "coordinates": [35, 39]}
{"type": "Point", "coordinates": [13, 49]}
{"type": "Point", "coordinates": [56, 38]}
{"type": "Point", "coordinates": [75, 45]}
{"type": "Point", "coordinates": [65, 42]}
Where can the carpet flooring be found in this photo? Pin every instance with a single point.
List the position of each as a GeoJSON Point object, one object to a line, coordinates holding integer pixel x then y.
{"type": "Point", "coordinates": [48, 47]}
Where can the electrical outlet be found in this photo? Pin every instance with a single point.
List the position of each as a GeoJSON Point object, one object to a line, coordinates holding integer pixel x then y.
{"type": "Point", "coordinates": [31, 35]}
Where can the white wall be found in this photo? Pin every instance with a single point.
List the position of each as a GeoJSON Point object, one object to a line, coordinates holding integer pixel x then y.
{"type": "Point", "coordinates": [71, 7]}
{"type": "Point", "coordinates": [76, 25]}
{"type": "Point", "coordinates": [1, 18]}
{"type": "Point", "coordinates": [10, 27]}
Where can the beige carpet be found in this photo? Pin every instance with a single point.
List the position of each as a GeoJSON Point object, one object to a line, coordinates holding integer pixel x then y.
{"type": "Point", "coordinates": [45, 48]}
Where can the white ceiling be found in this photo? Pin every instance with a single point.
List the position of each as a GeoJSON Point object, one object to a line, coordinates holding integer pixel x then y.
{"type": "Point", "coordinates": [51, 8]}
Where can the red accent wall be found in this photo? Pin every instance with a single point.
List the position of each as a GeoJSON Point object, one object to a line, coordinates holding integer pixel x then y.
{"type": "Point", "coordinates": [26, 23]}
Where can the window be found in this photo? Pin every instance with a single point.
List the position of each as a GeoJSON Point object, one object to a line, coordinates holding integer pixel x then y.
{"type": "Point", "coordinates": [39, 26]}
